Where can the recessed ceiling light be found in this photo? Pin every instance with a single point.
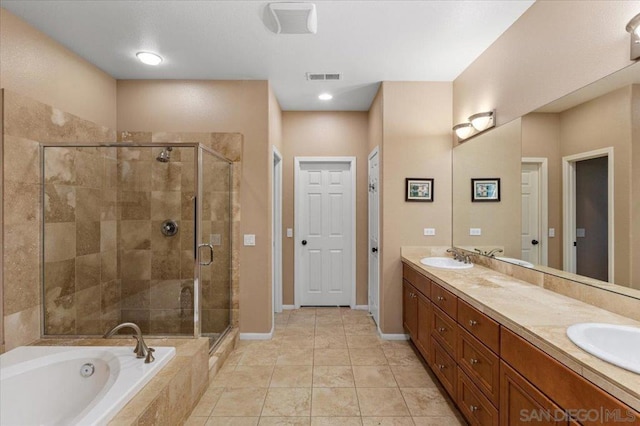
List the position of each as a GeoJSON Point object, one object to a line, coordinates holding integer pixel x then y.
{"type": "Point", "coordinates": [325, 97]}
{"type": "Point", "coordinates": [149, 58]}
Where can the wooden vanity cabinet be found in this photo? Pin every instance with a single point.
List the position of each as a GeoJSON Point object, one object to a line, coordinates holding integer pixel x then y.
{"type": "Point", "coordinates": [522, 404]}
{"type": "Point", "coordinates": [494, 376]}
{"type": "Point", "coordinates": [560, 384]}
{"type": "Point", "coordinates": [410, 310]}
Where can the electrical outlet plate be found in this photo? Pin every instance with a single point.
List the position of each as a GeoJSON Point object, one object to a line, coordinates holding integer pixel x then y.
{"type": "Point", "coordinates": [552, 232]}
{"type": "Point", "coordinates": [475, 231]}
{"type": "Point", "coordinates": [249, 239]}
{"type": "Point", "coordinates": [429, 231]}
{"type": "Point", "coordinates": [289, 233]}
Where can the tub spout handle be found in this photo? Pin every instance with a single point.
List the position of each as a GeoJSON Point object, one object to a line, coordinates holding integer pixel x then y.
{"type": "Point", "coordinates": [150, 358]}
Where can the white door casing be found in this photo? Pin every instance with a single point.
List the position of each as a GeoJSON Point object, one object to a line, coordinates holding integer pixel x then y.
{"type": "Point", "coordinates": [277, 231]}
{"type": "Point", "coordinates": [325, 231]}
{"type": "Point", "coordinates": [569, 207]}
{"type": "Point", "coordinates": [374, 231]}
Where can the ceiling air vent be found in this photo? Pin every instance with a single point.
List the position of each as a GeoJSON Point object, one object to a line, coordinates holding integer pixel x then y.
{"type": "Point", "coordinates": [313, 76]}
{"type": "Point", "coordinates": [294, 18]}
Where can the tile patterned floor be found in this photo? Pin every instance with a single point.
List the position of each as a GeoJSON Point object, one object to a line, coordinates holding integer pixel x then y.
{"type": "Point", "coordinates": [324, 366]}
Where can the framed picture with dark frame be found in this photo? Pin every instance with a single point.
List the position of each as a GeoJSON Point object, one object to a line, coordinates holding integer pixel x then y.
{"type": "Point", "coordinates": [418, 189]}
{"type": "Point", "coordinates": [485, 189]}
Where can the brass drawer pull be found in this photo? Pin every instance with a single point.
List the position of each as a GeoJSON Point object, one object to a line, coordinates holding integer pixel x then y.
{"type": "Point", "coordinates": [473, 361]}
{"type": "Point", "coordinates": [441, 366]}
{"type": "Point", "coordinates": [473, 322]}
{"type": "Point", "coordinates": [440, 299]}
{"type": "Point", "coordinates": [441, 330]}
{"type": "Point", "coordinates": [474, 408]}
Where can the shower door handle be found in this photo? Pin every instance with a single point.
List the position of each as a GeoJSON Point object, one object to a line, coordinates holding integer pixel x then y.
{"type": "Point", "coordinates": [210, 254]}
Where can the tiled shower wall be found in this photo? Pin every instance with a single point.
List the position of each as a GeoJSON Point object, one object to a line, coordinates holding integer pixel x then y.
{"type": "Point", "coordinates": [166, 304]}
{"type": "Point", "coordinates": [26, 123]}
{"type": "Point", "coordinates": [81, 279]}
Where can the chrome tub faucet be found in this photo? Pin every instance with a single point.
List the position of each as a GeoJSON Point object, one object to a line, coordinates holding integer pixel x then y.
{"type": "Point", "coordinates": [141, 350]}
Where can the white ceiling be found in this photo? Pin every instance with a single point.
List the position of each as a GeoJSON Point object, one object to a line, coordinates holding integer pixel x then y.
{"type": "Point", "coordinates": [367, 41]}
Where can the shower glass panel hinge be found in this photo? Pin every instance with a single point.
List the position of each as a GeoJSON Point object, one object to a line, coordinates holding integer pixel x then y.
{"type": "Point", "coordinates": [210, 247]}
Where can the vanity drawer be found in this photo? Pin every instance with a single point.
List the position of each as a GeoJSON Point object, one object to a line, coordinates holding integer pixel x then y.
{"type": "Point", "coordinates": [444, 367]}
{"type": "Point", "coordinates": [444, 300]}
{"type": "Point", "coordinates": [562, 385]}
{"type": "Point", "coordinates": [481, 326]}
{"type": "Point", "coordinates": [445, 330]}
{"type": "Point", "coordinates": [481, 365]}
{"type": "Point", "coordinates": [419, 281]}
{"type": "Point", "coordinates": [474, 405]}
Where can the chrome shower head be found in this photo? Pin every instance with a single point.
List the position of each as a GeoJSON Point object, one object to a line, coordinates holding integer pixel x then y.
{"type": "Point", "coordinates": [165, 155]}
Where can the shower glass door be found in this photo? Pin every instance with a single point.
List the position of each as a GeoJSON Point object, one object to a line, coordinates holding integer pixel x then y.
{"type": "Point", "coordinates": [214, 244]}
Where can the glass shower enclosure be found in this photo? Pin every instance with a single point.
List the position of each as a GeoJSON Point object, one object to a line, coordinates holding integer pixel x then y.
{"type": "Point", "coordinates": [136, 232]}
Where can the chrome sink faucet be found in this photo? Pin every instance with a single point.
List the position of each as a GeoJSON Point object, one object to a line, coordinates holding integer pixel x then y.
{"type": "Point", "coordinates": [459, 255]}
{"type": "Point", "coordinates": [141, 350]}
{"type": "Point", "coordinates": [495, 251]}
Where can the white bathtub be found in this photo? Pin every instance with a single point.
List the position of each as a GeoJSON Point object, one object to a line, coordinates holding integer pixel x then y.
{"type": "Point", "coordinates": [44, 385]}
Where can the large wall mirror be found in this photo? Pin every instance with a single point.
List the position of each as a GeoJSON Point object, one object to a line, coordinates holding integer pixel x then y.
{"type": "Point", "coordinates": [569, 187]}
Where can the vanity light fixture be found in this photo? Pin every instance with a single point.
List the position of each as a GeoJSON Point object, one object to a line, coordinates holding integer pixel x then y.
{"type": "Point", "coordinates": [482, 120]}
{"type": "Point", "coordinates": [149, 58]}
{"type": "Point", "coordinates": [463, 130]}
{"type": "Point", "coordinates": [633, 28]}
{"type": "Point", "coordinates": [325, 96]}
{"type": "Point", "coordinates": [477, 124]}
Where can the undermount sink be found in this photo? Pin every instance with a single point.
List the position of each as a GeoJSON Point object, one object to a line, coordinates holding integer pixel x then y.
{"type": "Point", "coordinates": [617, 344]}
{"type": "Point", "coordinates": [515, 261]}
{"type": "Point", "coordinates": [445, 263]}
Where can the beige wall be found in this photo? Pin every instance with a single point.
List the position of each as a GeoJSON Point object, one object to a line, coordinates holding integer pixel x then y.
{"type": "Point", "coordinates": [416, 142]}
{"type": "Point", "coordinates": [275, 141]}
{"type": "Point", "coordinates": [554, 48]}
{"type": "Point", "coordinates": [495, 154]}
{"type": "Point", "coordinates": [324, 134]}
{"type": "Point", "coordinates": [220, 106]}
{"type": "Point", "coordinates": [601, 123]}
{"type": "Point", "coordinates": [541, 138]}
{"type": "Point", "coordinates": [34, 65]}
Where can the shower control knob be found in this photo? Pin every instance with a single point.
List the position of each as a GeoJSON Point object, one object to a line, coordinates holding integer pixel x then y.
{"type": "Point", "coordinates": [169, 228]}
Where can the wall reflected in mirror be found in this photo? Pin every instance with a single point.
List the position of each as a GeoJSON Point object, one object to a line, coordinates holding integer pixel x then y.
{"type": "Point", "coordinates": [574, 207]}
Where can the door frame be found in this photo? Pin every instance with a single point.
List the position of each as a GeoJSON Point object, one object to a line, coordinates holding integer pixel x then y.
{"type": "Point", "coordinates": [297, 211]}
{"type": "Point", "coordinates": [569, 207]}
{"type": "Point", "coordinates": [276, 256]}
{"type": "Point", "coordinates": [375, 151]}
{"type": "Point", "coordinates": [543, 204]}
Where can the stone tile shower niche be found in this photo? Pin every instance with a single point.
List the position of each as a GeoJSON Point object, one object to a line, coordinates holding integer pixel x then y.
{"type": "Point", "coordinates": [136, 232]}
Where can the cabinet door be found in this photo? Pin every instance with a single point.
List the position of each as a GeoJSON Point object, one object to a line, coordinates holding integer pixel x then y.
{"type": "Point", "coordinates": [521, 404]}
{"type": "Point", "coordinates": [424, 326]}
{"type": "Point", "coordinates": [410, 310]}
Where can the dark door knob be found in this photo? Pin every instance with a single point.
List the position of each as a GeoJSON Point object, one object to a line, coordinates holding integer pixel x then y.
{"type": "Point", "coordinates": [374, 249]}
{"type": "Point", "coordinates": [304, 242]}
{"type": "Point", "coordinates": [534, 242]}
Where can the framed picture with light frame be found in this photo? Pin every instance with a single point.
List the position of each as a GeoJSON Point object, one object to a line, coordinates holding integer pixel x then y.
{"type": "Point", "coordinates": [485, 189]}
{"type": "Point", "coordinates": [418, 189]}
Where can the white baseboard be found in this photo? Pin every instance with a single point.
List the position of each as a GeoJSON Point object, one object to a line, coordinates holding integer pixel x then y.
{"type": "Point", "coordinates": [288, 307]}
{"type": "Point", "coordinates": [361, 307]}
{"type": "Point", "coordinates": [400, 336]}
{"type": "Point", "coordinates": [257, 336]}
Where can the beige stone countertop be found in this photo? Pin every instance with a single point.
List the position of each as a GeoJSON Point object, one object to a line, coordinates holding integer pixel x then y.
{"type": "Point", "coordinates": [539, 316]}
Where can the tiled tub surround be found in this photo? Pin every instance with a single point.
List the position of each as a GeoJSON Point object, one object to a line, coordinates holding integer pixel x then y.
{"type": "Point", "coordinates": [175, 390]}
{"type": "Point", "coordinates": [324, 366]}
{"type": "Point", "coordinates": [538, 315]}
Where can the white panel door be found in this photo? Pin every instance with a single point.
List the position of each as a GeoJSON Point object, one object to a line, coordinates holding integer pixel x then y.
{"type": "Point", "coordinates": [325, 261]}
{"type": "Point", "coordinates": [374, 227]}
{"type": "Point", "coordinates": [531, 213]}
